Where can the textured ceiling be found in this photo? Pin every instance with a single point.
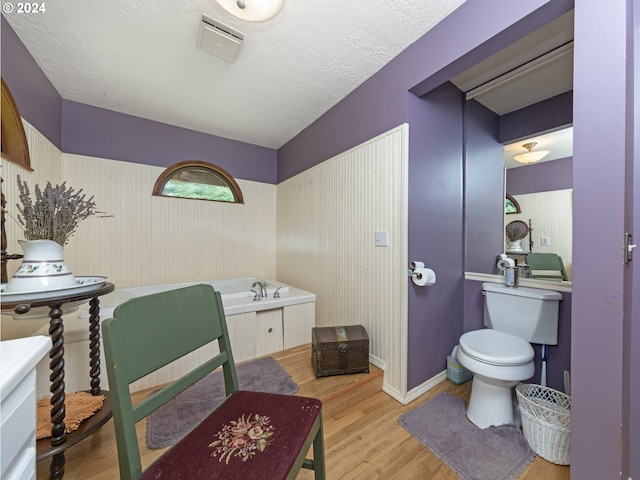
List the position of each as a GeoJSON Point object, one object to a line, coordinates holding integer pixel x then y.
{"type": "Point", "coordinates": [139, 57]}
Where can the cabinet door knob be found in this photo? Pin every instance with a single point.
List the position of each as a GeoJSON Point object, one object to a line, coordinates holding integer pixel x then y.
{"type": "Point", "coordinates": [270, 330]}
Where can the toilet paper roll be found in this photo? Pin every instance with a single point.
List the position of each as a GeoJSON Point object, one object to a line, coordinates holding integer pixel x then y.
{"type": "Point", "coordinates": [423, 277]}
{"type": "Point", "coordinates": [505, 263]}
{"type": "Point", "coordinates": [415, 265]}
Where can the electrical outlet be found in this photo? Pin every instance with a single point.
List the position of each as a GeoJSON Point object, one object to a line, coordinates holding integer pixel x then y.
{"type": "Point", "coordinates": [382, 238]}
{"type": "Point", "coordinates": [545, 241]}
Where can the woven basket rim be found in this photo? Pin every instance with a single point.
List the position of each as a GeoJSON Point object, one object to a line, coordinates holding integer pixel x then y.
{"type": "Point", "coordinates": [545, 405]}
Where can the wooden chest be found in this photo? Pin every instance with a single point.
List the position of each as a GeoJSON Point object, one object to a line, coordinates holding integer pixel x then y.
{"type": "Point", "coordinates": [339, 350]}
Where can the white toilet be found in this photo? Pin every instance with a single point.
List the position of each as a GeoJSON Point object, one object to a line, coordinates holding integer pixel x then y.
{"type": "Point", "coordinates": [501, 356]}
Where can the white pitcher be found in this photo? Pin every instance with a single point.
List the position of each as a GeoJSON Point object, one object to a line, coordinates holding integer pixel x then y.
{"type": "Point", "coordinates": [42, 268]}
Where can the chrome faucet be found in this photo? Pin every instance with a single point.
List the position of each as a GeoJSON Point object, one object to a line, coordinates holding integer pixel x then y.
{"type": "Point", "coordinates": [263, 288]}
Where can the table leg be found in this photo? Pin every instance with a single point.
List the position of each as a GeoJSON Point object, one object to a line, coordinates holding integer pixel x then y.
{"type": "Point", "coordinates": [94, 344]}
{"type": "Point", "coordinates": [56, 354]}
{"type": "Point", "coordinates": [56, 469]}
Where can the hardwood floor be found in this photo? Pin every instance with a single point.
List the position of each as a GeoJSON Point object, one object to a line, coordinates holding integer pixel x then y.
{"type": "Point", "coordinates": [363, 439]}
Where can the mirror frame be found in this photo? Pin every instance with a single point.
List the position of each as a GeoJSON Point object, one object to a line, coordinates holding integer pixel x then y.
{"type": "Point", "coordinates": [514, 202]}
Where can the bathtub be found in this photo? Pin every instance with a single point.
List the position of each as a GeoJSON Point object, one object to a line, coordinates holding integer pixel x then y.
{"type": "Point", "coordinates": [256, 328]}
{"type": "Point", "coordinates": [236, 294]}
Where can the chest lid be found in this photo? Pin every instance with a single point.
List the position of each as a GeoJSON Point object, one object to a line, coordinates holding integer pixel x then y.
{"type": "Point", "coordinates": [340, 335]}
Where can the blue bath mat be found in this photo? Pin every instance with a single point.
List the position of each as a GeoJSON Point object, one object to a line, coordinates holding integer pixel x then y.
{"type": "Point", "coordinates": [494, 453]}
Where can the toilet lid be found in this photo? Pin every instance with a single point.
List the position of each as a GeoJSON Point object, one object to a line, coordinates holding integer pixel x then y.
{"type": "Point", "coordinates": [496, 348]}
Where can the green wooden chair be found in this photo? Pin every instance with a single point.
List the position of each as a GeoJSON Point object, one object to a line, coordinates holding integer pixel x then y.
{"type": "Point", "coordinates": [250, 435]}
{"type": "Point", "coordinates": [546, 265]}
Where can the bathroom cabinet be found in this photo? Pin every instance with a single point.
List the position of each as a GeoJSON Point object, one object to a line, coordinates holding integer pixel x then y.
{"type": "Point", "coordinates": [18, 392]}
{"type": "Point", "coordinates": [297, 322]}
{"type": "Point", "coordinates": [255, 334]}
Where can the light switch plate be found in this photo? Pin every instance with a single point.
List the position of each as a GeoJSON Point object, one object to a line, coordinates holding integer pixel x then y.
{"type": "Point", "coordinates": [382, 238]}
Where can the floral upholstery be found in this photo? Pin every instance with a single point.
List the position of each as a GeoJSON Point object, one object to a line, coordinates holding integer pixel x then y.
{"type": "Point", "coordinates": [252, 435]}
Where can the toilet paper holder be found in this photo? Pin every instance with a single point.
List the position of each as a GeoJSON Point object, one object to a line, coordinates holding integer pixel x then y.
{"type": "Point", "coordinates": [420, 275]}
{"type": "Point", "coordinates": [415, 264]}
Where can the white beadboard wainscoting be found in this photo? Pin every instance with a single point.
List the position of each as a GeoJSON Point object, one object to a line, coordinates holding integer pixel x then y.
{"type": "Point", "coordinates": [327, 219]}
{"type": "Point", "coordinates": [149, 240]}
{"type": "Point", "coordinates": [145, 240]}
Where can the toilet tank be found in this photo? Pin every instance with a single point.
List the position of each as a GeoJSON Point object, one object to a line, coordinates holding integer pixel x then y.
{"type": "Point", "coordinates": [529, 313]}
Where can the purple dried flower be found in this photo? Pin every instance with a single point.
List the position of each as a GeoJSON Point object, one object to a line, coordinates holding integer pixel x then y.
{"type": "Point", "coordinates": [56, 212]}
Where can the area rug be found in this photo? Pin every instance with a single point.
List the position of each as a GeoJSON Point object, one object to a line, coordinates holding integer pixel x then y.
{"type": "Point", "coordinates": [174, 419]}
{"type": "Point", "coordinates": [494, 453]}
{"type": "Point", "coordinates": [78, 407]}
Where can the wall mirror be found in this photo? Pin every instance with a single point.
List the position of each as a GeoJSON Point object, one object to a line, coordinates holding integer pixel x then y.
{"type": "Point", "coordinates": [505, 92]}
{"type": "Point", "coordinates": [544, 193]}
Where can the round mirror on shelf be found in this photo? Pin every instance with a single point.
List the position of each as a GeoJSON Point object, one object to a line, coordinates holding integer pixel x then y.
{"type": "Point", "coordinates": [515, 232]}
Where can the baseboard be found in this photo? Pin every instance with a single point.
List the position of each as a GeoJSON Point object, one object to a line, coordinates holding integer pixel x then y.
{"type": "Point", "coordinates": [376, 361]}
{"type": "Point", "coordinates": [426, 386]}
{"type": "Point", "coordinates": [416, 392]}
{"type": "Point", "coordinates": [393, 393]}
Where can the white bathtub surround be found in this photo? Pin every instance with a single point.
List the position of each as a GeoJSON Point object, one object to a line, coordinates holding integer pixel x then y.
{"type": "Point", "coordinates": [237, 296]}
{"type": "Point", "coordinates": [256, 328]}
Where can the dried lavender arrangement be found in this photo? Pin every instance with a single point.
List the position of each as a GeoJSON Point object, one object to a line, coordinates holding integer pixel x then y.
{"type": "Point", "coordinates": [55, 213]}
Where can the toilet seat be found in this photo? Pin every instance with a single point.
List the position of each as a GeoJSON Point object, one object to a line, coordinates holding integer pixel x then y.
{"type": "Point", "coordinates": [496, 348]}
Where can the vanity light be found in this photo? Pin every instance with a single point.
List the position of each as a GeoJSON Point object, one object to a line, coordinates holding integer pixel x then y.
{"type": "Point", "coordinates": [529, 156]}
{"type": "Point", "coordinates": [252, 10]}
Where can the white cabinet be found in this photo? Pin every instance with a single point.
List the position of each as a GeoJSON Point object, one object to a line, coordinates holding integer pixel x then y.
{"type": "Point", "coordinates": [18, 360]}
{"type": "Point", "coordinates": [268, 332]}
{"type": "Point", "coordinates": [242, 333]}
{"type": "Point", "coordinates": [297, 322]}
{"type": "Point", "coordinates": [254, 334]}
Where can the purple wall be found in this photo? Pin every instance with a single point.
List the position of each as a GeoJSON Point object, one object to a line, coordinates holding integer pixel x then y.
{"type": "Point", "coordinates": [601, 428]}
{"type": "Point", "coordinates": [632, 346]}
{"type": "Point", "coordinates": [484, 189]}
{"type": "Point", "coordinates": [37, 100]}
{"type": "Point", "coordinates": [97, 132]}
{"type": "Point", "coordinates": [435, 201]}
{"type": "Point", "coordinates": [548, 115]}
{"type": "Point", "coordinates": [541, 177]}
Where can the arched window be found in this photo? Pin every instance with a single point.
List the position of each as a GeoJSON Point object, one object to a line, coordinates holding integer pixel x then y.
{"type": "Point", "coordinates": [14, 140]}
{"type": "Point", "coordinates": [198, 180]}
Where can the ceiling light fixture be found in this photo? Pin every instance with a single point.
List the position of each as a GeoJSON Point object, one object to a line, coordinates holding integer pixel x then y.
{"type": "Point", "coordinates": [529, 156]}
{"type": "Point", "coordinates": [252, 10]}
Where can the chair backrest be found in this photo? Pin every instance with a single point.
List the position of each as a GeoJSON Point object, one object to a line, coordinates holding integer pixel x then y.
{"type": "Point", "coordinates": [149, 332]}
{"type": "Point", "coordinates": [546, 265]}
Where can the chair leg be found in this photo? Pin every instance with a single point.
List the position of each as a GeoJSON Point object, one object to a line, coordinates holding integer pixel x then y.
{"type": "Point", "coordinates": [318, 452]}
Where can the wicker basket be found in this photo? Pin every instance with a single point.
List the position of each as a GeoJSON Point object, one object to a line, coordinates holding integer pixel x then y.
{"type": "Point", "coordinates": [546, 421]}
{"type": "Point", "coordinates": [456, 373]}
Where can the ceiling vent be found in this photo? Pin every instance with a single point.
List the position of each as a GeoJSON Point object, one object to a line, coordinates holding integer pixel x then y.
{"type": "Point", "coordinates": [219, 39]}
